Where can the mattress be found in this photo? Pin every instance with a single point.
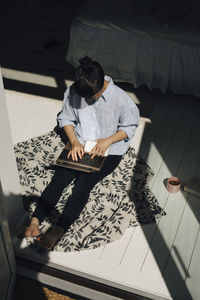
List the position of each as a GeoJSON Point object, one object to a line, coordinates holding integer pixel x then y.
{"type": "Point", "coordinates": [135, 48]}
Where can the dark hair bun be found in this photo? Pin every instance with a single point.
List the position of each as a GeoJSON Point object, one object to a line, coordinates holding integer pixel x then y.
{"type": "Point", "coordinates": [85, 61]}
{"type": "Point", "coordinates": [89, 77]}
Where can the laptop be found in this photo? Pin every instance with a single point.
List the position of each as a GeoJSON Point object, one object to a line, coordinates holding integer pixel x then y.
{"type": "Point", "coordinates": [86, 163]}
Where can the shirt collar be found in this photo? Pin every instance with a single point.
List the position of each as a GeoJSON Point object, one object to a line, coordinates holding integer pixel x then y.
{"type": "Point", "coordinates": [106, 94]}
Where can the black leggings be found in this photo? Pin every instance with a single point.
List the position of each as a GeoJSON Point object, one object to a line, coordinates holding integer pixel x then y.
{"type": "Point", "coordinates": [84, 183]}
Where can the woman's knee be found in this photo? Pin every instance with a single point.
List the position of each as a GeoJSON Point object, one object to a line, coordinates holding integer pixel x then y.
{"type": "Point", "coordinates": [85, 183]}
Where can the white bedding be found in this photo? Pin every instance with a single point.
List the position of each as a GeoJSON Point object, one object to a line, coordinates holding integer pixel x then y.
{"type": "Point", "coordinates": [136, 48]}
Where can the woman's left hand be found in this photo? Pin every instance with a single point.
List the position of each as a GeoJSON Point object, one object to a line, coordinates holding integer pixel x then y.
{"type": "Point", "coordinates": [100, 148]}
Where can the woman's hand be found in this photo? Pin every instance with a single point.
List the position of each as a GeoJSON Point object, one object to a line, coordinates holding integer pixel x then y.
{"type": "Point", "coordinates": [76, 151]}
{"type": "Point", "coordinates": [101, 146]}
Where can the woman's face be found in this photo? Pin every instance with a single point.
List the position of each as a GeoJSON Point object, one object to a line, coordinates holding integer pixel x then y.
{"type": "Point", "coordinates": [98, 94]}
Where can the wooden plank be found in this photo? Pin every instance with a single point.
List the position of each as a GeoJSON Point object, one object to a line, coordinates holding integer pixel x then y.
{"type": "Point", "coordinates": [145, 235]}
{"type": "Point", "coordinates": [158, 250]}
{"type": "Point", "coordinates": [153, 128]}
{"type": "Point", "coordinates": [167, 226]}
{"type": "Point", "coordinates": [183, 245]}
{"type": "Point", "coordinates": [113, 252]}
{"type": "Point", "coordinates": [131, 258]}
{"type": "Point", "coordinates": [95, 269]}
{"type": "Point", "coordinates": [88, 254]}
{"type": "Point", "coordinates": [194, 201]}
{"type": "Point", "coordinates": [159, 146]}
{"type": "Point", "coordinates": [184, 249]}
{"type": "Point", "coordinates": [29, 77]}
{"type": "Point", "coordinates": [139, 244]}
{"type": "Point", "coordinates": [193, 278]}
{"type": "Point", "coordinates": [172, 158]}
{"type": "Point", "coordinates": [135, 256]}
{"type": "Point", "coordinates": [167, 141]}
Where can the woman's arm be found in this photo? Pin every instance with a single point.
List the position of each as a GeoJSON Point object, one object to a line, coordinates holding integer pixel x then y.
{"type": "Point", "coordinates": [102, 144]}
{"type": "Point", "coordinates": [77, 150]}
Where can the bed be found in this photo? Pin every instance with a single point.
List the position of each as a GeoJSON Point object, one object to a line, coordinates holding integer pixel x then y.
{"type": "Point", "coordinates": [140, 42]}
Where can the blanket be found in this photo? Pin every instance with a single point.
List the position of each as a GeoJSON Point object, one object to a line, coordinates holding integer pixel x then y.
{"type": "Point", "coordinates": [122, 199]}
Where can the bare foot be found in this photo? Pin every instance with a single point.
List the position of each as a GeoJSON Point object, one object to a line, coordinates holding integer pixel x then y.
{"type": "Point", "coordinates": [49, 239]}
{"type": "Point", "coordinates": [31, 230]}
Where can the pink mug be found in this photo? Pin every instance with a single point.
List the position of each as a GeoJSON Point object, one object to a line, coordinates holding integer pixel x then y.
{"type": "Point", "coordinates": [173, 184]}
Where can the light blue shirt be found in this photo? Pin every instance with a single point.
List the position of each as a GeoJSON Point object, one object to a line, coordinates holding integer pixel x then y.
{"type": "Point", "coordinates": [101, 118]}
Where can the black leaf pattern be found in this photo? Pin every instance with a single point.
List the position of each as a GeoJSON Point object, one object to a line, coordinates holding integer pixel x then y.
{"type": "Point", "coordinates": [120, 200]}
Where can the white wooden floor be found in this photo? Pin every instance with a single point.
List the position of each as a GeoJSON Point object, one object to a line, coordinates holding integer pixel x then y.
{"type": "Point", "coordinates": [159, 261]}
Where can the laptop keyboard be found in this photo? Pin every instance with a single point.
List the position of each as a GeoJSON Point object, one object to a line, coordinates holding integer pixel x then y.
{"type": "Point", "coordinates": [85, 160]}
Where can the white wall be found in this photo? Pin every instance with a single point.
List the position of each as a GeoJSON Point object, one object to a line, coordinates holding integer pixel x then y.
{"type": "Point", "coordinates": [8, 169]}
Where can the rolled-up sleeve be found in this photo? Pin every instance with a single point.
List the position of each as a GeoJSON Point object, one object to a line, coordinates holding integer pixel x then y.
{"type": "Point", "coordinates": [129, 118]}
{"type": "Point", "coordinates": [67, 115]}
